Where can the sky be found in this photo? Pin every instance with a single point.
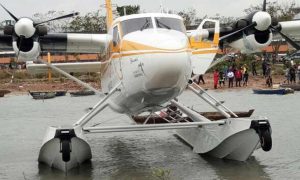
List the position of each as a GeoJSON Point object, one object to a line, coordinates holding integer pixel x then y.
{"type": "Point", "coordinates": [234, 8]}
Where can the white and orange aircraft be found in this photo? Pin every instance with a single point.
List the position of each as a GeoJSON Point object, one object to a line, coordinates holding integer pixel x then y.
{"type": "Point", "coordinates": [150, 61]}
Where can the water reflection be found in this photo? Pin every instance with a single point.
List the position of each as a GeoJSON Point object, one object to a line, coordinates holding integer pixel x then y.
{"type": "Point", "coordinates": [125, 160]}
{"type": "Point", "coordinates": [229, 169]}
{"type": "Point", "coordinates": [82, 172]}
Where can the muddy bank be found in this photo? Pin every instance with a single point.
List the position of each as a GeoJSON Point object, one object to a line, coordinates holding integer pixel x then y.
{"type": "Point", "coordinates": [23, 86]}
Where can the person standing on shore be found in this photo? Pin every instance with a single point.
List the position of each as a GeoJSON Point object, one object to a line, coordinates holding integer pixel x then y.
{"type": "Point", "coordinates": [292, 74]}
{"type": "Point", "coordinates": [269, 80]}
{"type": "Point", "coordinates": [201, 79]}
{"type": "Point", "coordinates": [253, 65]}
{"type": "Point", "coordinates": [245, 78]}
{"type": "Point", "coordinates": [216, 78]}
{"type": "Point", "coordinates": [264, 67]}
{"type": "Point", "coordinates": [238, 77]}
{"type": "Point", "coordinates": [230, 76]}
{"type": "Point", "coordinates": [298, 73]}
{"type": "Point", "coordinates": [287, 75]}
{"type": "Point", "coordinates": [221, 78]}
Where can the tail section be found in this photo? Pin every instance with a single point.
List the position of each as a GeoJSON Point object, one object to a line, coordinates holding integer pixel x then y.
{"type": "Point", "coordinates": [205, 46]}
{"type": "Point", "coordinates": [109, 14]}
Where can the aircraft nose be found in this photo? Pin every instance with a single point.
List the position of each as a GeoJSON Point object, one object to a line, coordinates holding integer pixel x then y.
{"type": "Point", "coordinates": [171, 40]}
{"type": "Point", "coordinates": [167, 70]}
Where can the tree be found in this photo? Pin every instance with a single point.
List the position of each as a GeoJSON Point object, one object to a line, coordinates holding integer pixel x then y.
{"type": "Point", "coordinates": [53, 26]}
{"type": "Point", "coordinates": [90, 23]}
{"type": "Point", "coordinates": [129, 10]}
{"type": "Point", "coordinates": [280, 11]}
{"type": "Point", "coordinates": [188, 16]}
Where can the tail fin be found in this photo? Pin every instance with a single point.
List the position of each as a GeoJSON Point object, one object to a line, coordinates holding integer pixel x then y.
{"type": "Point", "coordinates": [109, 14]}
{"type": "Point", "coordinates": [204, 50]}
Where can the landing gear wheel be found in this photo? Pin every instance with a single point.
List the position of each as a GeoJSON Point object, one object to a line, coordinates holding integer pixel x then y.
{"type": "Point", "coordinates": [66, 151]}
{"type": "Point", "coordinates": [266, 140]}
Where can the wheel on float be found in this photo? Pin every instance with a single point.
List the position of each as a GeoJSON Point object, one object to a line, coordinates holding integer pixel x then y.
{"type": "Point", "coordinates": [266, 140]}
{"type": "Point", "coordinates": [66, 151]}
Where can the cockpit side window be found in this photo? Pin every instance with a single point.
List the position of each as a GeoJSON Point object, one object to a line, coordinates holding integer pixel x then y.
{"type": "Point", "coordinates": [116, 38]}
{"type": "Point", "coordinates": [138, 24]}
{"type": "Point", "coordinates": [170, 23]}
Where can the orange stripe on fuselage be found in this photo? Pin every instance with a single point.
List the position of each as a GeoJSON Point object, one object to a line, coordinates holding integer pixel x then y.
{"type": "Point", "coordinates": [205, 52]}
{"type": "Point", "coordinates": [119, 55]}
{"type": "Point", "coordinates": [133, 46]}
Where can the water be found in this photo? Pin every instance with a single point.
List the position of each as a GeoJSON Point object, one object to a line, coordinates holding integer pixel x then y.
{"type": "Point", "coordinates": [23, 122]}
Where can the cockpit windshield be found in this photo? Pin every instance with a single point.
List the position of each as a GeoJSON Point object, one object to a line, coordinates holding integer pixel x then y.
{"type": "Point", "coordinates": [138, 24]}
{"type": "Point", "coordinates": [170, 23]}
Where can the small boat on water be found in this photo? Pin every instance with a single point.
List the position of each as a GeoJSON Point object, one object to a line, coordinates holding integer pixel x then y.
{"type": "Point", "coordinates": [279, 91]}
{"type": "Point", "coordinates": [3, 92]}
{"type": "Point", "coordinates": [295, 87]}
{"type": "Point", "coordinates": [42, 95]}
{"type": "Point", "coordinates": [60, 93]}
{"type": "Point", "coordinates": [82, 93]}
{"type": "Point", "coordinates": [213, 116]}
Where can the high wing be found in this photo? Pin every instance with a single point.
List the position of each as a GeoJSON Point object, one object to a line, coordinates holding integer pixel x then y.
{"type": "Point", "coordinates": [75, 43]}
{"type": "Point", "coordinates": [31, 48]}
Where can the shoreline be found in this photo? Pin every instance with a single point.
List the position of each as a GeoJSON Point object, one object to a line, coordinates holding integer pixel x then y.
{"type": "Point", "coordinates": [22, 87]}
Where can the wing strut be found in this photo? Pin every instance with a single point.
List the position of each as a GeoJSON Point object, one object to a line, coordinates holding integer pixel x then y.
{"type": "Point", "coordinates": [70, 77]}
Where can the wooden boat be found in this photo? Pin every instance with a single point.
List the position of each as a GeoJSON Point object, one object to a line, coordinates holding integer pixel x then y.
{"type": "Point", "coordinates": [213, 116]}
{"type": "Point", "coordinates": [4, 91]}
{"type": "Point", "coordinates": [82, 93]}
{"type": "Point", "coordinates": [60, 93]}
{"type": "Point", "coordinates": [295, 87]}
{"type": "Point", "coordinates": [42, 95]}
{"type": "Point", "coordinates": [280, 91]}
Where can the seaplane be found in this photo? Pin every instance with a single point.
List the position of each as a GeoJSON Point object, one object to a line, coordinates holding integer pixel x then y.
{"type": "Point", "coordinates": [150, 60]}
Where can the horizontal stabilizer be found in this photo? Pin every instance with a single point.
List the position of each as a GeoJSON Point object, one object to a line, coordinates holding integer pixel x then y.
{"type": "Point", "coordinates": [67, 67]}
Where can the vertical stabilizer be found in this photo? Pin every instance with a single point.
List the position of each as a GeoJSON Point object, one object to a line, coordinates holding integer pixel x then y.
{"type": "Point", "coordinates": [109, 14]}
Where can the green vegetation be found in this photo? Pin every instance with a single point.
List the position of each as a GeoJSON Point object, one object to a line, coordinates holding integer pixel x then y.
{"type": "Point", "coordinates": [129, 10]}
{"type": "Point", "coordinates": [161, 174]}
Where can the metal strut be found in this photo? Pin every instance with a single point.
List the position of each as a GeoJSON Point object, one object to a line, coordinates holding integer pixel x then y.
{"type": "Point", "coordinates": [150, 127]}
{"type": "Point", "coordinates": [211, 100]}
{"type": "Point", "coordinates": [97, 108]}
{"type": "Point", "coordinates": [70, 76]}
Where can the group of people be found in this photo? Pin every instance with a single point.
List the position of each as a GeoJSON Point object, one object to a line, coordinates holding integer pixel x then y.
{"type": "Point", "coordinates": [239, 75]}
{"type": "Point", "coordinates": [291, 73]}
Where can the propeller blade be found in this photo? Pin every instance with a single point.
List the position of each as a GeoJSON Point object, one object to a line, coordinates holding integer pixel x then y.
{"type": "Point", "coordinates": [61, 17]}
{"type": "Point", "coordinates": [238, 31]}
{"type": "Point", "coordinates": [11, 14]}
{"type": "Point", "coordinates": [289, 40]}
{"type": "Point", "coordinates": [20, 45]}
{"type": "Point", "coordinates": [264, 6]}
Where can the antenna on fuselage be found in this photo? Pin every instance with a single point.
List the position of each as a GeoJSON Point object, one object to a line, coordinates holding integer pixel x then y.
{"type": "Point", "coordinates": [161, 7]}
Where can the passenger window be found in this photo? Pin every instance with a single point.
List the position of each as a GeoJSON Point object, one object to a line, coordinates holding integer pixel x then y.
{"type": "Point", "coordinates": [116, 37]}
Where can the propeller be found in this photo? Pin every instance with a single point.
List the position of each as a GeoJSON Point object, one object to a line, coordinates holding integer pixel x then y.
{"type": "Point", "coordinates": [238, 31]}
{"type": "Point", "coordinates": [262, 21]}
{"type": "Point", "coordinates": [26, 32]}
{"type": "Point", "coordinates": [58, 18]}
{"type": "Point", "coordinates": [264, 6]}
{"type": "Point", "coordinates": [289, 40]}
{"type": "Point", "coordinates": [28, 28]}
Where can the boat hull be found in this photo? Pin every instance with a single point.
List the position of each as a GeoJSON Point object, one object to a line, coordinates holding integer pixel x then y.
{"type": "Point", "coordinates": [280, 91]}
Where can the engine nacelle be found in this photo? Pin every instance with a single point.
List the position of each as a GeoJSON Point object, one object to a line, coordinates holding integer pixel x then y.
{"type": "Point", "coordinates": [253, 43]}
{"type": "Point", "coordinates": [27, 54]}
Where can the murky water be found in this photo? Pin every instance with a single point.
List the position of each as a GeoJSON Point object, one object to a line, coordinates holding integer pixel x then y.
{"type": "Point", "coordinates": [23, 122]}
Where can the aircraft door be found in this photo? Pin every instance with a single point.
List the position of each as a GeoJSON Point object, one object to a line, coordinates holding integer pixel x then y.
{"type": "Point", "coordinates": [204, 45]}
